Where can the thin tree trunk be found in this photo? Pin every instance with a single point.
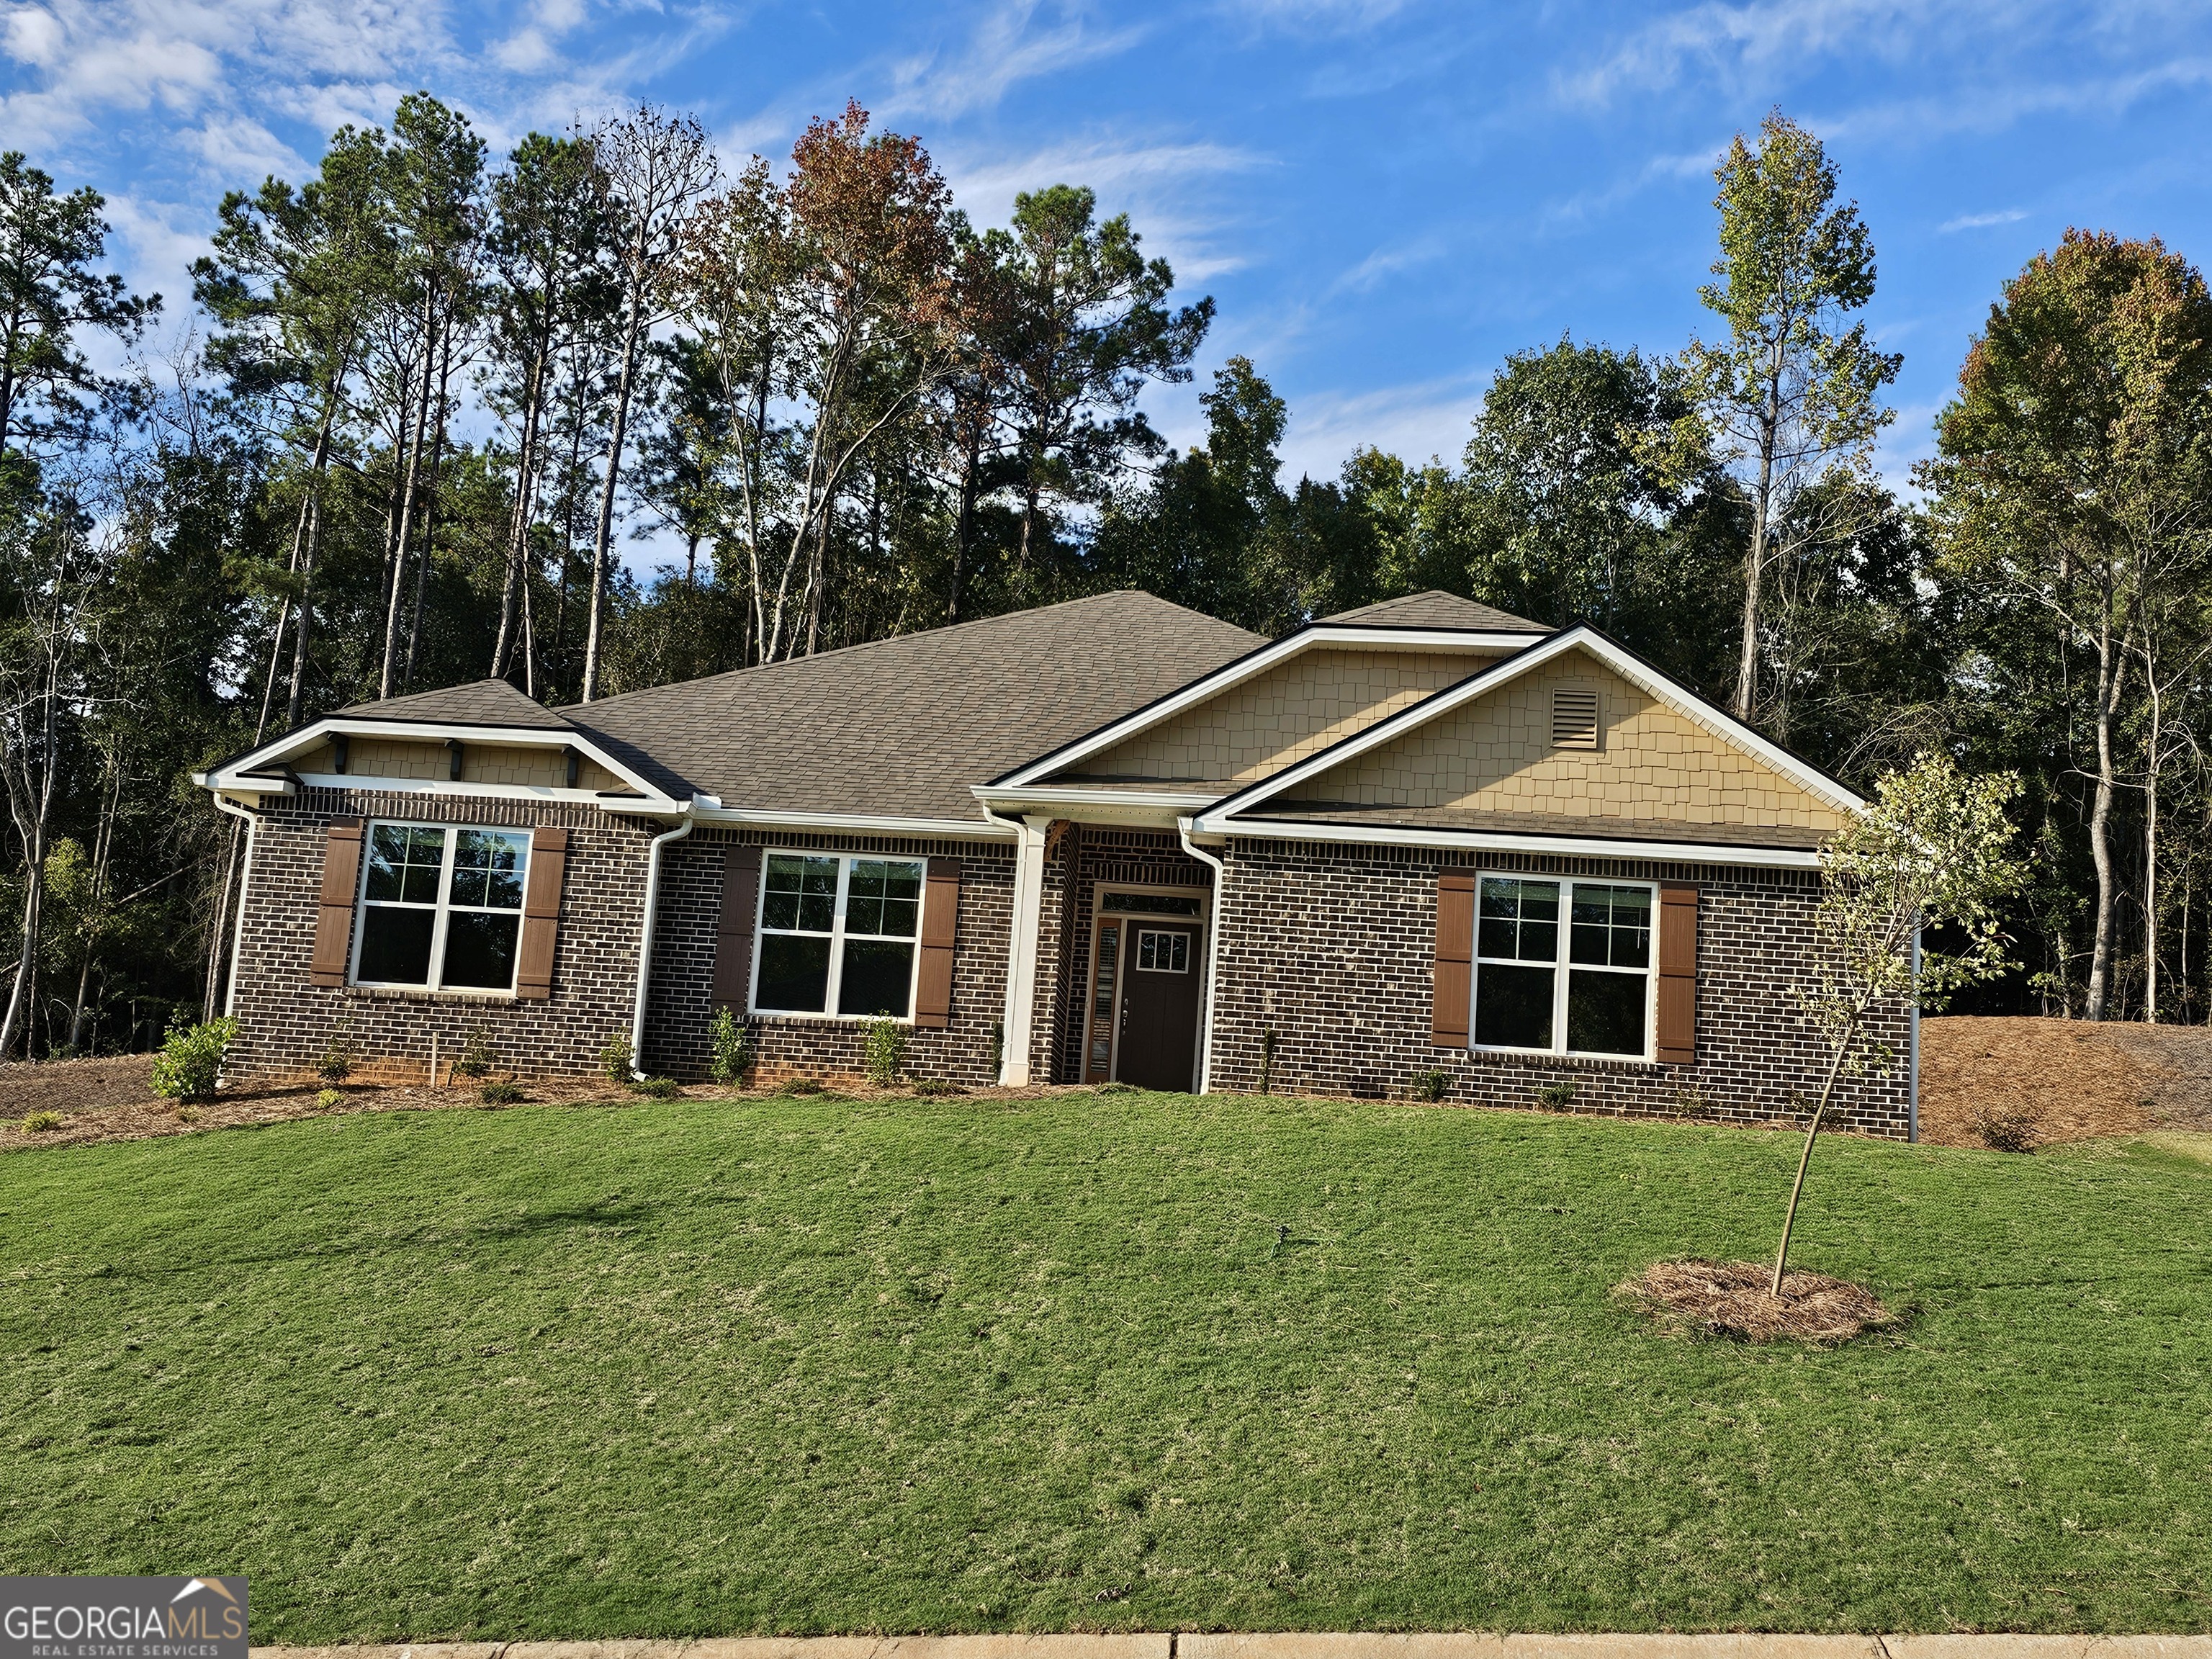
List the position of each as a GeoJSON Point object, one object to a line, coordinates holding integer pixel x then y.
{"type": "Point", "coordinates": [407, 503]}
{"type": "Point", "coordinates": [604, 535]}
{"type": "Point", "coordinates": [1805, 1158]}
{"type": "Point", "coordinates": [103, 851]}
{"type": "Point", "coordinates": [2111, 670]}
{"type": "Point", "coordinates": [300, 627]}
{"type": "Point", "coordinates": [429, 508]}
{"type": "Point", "coordinates": [2150, 848]}
{"type": "Point", "coordinates": [518, 539]}
{"type": "Point", "coordinates": [1755, 575]}
{"type": "Point", "coordinates": [964, 538]}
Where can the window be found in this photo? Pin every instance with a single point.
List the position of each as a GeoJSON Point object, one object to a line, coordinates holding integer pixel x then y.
{"type": "Point", "coordinates": [837, 934]}
{"type": "Point", "coordinates": [442, 908]}
{"type": "Point", "coordinates": [1595, 997]}
{"type": "Point", "coordinates": [1157, 904]}
{"type": "Point", "coordinates": [1161, 952]}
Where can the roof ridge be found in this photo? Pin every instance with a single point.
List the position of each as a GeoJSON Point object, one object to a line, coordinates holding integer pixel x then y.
{"type": "Point", "coordinates": [943, 628]}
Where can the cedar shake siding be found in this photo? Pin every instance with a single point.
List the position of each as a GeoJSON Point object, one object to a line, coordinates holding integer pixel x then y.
{"type": "Point", "coordinates": [680, 1010]}
{"type": "Point", "coordinates": [1334, 948]}
{"type": "Point", "coordinates": [285, 1021]}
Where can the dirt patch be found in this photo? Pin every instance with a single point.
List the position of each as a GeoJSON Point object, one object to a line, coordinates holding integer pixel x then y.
{"type": "Point", "coordinates": [1731, 1298]}
{"type": "Point", "coordinates": [100, 1100]}
{"type": "Point", "coordinates": [2060, 1079]}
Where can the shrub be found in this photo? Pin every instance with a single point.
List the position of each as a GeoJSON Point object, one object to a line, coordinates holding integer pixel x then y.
{"type": "Point", "coordinates": [801, 1085]}
{"type": "Point", "coordinates": [340, 1054]}
{"type": "Point", "coordinates": [1430, 1085]}
{"type": "Point", "coordinates": [657, 1088]}
{"type": "Point", "coordinates": [886, 1052]}
{"type": "Point", "coordinates": [616, 1057]}
{"type": "Point", "coordinates": [477, 1058]}
{"type": "Point", "coordinates": [1556, 1096]}
{"type": "Point", "coordinates": [40, 1123]}
{"type": "Point", "coordinates": [1116, 1088]}
{"type": "Point", "coordinates": [2009, 1128]}
{"type": "Point", "coordinates": [329, 1101]}
{"type": "Point", "coordinates": [1691, 1101]}
{"type": "Point", "coordinates": [191, 1059]}
{"type": "Point", "coordinates": [188, 1113]}
{"type": "Point", "coordinates": [500, 1094]}
{"type": "Point", "coordinates": [938, 1085]}
{"type": "Point", "coordinates": [733, 1048]}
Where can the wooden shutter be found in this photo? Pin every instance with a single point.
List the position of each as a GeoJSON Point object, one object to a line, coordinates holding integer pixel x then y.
{"type": "Point", "coordinates": [334, 913]}
{"type": "Point", "coordinates": [1678, 973]}
{"type": "Point", "coordinates": [1454, 976]}
{"type": "Point", "coordinates": [733, 933]}
{"type": "Point", "coordinates": [940, 915]}
{"type": "Point", "coordinates": [541, 915]}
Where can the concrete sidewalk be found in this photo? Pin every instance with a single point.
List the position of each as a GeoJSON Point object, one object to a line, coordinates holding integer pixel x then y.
{"type": "Point", "coordinates": [1301, 1645]}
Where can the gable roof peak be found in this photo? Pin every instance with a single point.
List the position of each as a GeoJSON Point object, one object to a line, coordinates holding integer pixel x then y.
{"type": "Point", "coordinates": [1436, 609]}
{"type": "Point", "coordinates": [478, 702]}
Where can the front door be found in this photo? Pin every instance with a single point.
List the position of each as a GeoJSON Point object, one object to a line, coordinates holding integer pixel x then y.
{"type": "Point", "coordinates": [1159, 1004]}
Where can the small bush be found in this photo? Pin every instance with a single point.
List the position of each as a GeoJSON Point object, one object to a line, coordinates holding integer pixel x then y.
{"type": "Point", "coordinates": [733, 1048]}
{"type": "Point", "coordinates": [1691, 1102]}
{"type": "Point", "coordinates": [1116, 1088]}
{"type": "Point", "coordinates": [938, 1085]}
{"type": "Point", "coordinates": [188, 1113]}
{"type": "Point", "coordinates": [191, 1059]}
{"type": "Point", "coordinates": [1430, 1085]}
{"type": "Point", "coordinates": [616, 1057]}
{"type": "Point", "coordinates": [500, 1094]}
{"type": "Point", "coordinates": [886, 1052]}
{"type": "Point", "coordinates": [477, 1058]}
{"type": "Point", "coordinates": [657, 1088]}
{"type": "Point", "coordinates": [801, 1085]}
{"type": "Point", "coordinates": [39, 1122]}
{"type": "Point", "coordinates": [329, 1101]}
{"type": "Point", "coordinates": [2009, 1128]}
{"type": "Point", "coordinates": [340, 1054]}
{"type": "Point", "coordinates": [1556, 1096]}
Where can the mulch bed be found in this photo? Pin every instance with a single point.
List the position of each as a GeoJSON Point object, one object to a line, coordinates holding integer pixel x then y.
{"type": "Point", "coordinates": [1732, 1298]}
{"type": "Point", "coordinates": [2059, 1079]}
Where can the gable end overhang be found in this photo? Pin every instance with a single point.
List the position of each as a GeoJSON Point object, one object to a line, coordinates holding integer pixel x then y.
{"type": "Point", "coordinates": [1565, 844]}
{"type": "Point", "coordinates": [1221, 818]}
{"type": "Point", "coordinates": [1251, 664]}
{"type": "Point", "coordinates": [267, 770]}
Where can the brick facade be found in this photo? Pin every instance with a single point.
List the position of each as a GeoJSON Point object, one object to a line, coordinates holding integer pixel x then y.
{"type": "Point", "coordinates": [284, 1023]}
{"type": "Point", "coordinates": [1333, 948]}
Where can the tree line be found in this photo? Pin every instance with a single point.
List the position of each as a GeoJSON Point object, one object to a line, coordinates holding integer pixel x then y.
{"type": "Point", "coordinates": [424, 406]}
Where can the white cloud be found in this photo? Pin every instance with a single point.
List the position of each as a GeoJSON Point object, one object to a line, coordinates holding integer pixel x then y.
{"type": "Point", "coordinates": [1385, 262]}
{"type": "Point", "coordinates": [1414, 422]}
{"type": "Point", "coordinates": [1007, 48]}
{"type": "Point", "coordinates": [1982, 221]}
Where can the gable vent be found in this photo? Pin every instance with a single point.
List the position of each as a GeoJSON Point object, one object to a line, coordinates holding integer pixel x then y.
{"type": "Point", "coordinates": [1574, 719]}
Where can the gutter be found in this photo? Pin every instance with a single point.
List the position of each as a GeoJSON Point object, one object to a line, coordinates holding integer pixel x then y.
{"type": "Point", "coordinates": [1912, 1047]}
{"type": "Point", "coordinates": [1212, 954]}
{"type": "Point", "coordinates": [1015, 1025]}
{"type": "Point", "coordinates": [244, 881]}
{"type": "Point", "coordinates": [645, 932]}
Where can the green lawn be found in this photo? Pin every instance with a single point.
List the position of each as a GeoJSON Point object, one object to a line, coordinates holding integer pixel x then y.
{"type": "Point", "coordinates": [785, 1366]}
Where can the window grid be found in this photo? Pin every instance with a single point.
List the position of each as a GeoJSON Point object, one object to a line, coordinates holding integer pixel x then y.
{"type": "Point", "coordinates": [844, 900]}
{"type": "Point", "coordinates": [470, 876]}
{"type": "Point", "coordinates": [1556, 959]}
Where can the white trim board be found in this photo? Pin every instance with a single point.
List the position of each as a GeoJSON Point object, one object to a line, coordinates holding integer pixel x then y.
{"type": "Point", "coordinates": [1580, 847]}
{"type": "Point", "coordinates": [1255, 662]}
{"type": "Point", "coordinates": [232, 774]}
{"type": "Point", "coordinates": [1631, 668]}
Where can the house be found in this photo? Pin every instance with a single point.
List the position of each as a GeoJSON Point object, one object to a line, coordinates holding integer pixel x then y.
{"type": "Point", "coordinates": [1110, 839]}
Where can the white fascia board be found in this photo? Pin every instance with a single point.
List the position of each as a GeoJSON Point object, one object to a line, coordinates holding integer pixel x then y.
{"type": "Point", "coordinates": [1691, 708]}
{"type": "Point", "coordinates": [518, 737]}
{"type": "Point", "coordinates": [1258, 662]}
{"type": "Point", "coordinates": [1783, 858]}
{"type": "Point", "coordinates": [1039, 797]}
{"type": "Point", "coordinates": [851, 823]}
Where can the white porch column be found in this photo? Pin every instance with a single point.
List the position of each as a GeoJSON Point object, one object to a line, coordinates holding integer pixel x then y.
{"type": "Point", "coordinates": [1022, 953]}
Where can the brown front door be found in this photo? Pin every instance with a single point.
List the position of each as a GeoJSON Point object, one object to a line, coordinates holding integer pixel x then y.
{"type": "Point", "coordinates": [1161, 971]}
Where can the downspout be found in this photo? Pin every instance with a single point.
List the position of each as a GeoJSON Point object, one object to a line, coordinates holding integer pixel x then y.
{"type": "Point", "coordinates": [1912, 1047]}
{"type": "Point", "coordinates": [1212, 955]}
{"type": "Point", "coordinates": [645, 932]}
{"type": "Point", "coordinates": [1014, 1027]}
{"type": "Point", "coordinates": [245, 882]}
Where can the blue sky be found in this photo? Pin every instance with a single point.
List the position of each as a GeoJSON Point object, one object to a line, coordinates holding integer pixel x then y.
{"type": "Point", "coordinates": [1385, 198]}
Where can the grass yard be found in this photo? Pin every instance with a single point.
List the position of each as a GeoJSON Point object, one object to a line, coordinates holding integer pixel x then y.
{"type": "Point", "coordinates": [1115, 1362]}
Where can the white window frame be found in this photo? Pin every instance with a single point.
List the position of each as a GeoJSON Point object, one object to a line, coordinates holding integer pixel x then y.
{"type": "Point", "coordinates": [1562, 966]}
{"type": "Point", "coordinates": [836, 936]}
{"type": "Point", "coordinates": [442, 908]}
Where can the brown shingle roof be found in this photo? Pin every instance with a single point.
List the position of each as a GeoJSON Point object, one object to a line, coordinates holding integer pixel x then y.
{"type": "Point", "coordinates": [902, 726]}
{"type": "Point", "coordinates": [1436, 609]}
{"type": "Point", "coordinates": [481, 702]}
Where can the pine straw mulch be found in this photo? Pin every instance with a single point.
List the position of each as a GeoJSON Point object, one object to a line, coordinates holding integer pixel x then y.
{"type": "Point", "coordinates": [1983, 1079]}
{"type": "Point", "coordinates": [1730, 1298]}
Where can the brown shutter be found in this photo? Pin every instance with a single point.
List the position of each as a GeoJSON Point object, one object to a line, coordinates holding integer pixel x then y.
{"type": "Point", "coordinates": [1678, 973]}
{"type": "Point", "coordinates": [940, 914]}
{"type": "Point", "coordinates": [1454, 977]}
{"type": "Point", "coordinates": [733, 933]}
{"type": "Point", "coordinates": [541, 915]}
{"type": "Point", "coordinates": [334, 913]}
